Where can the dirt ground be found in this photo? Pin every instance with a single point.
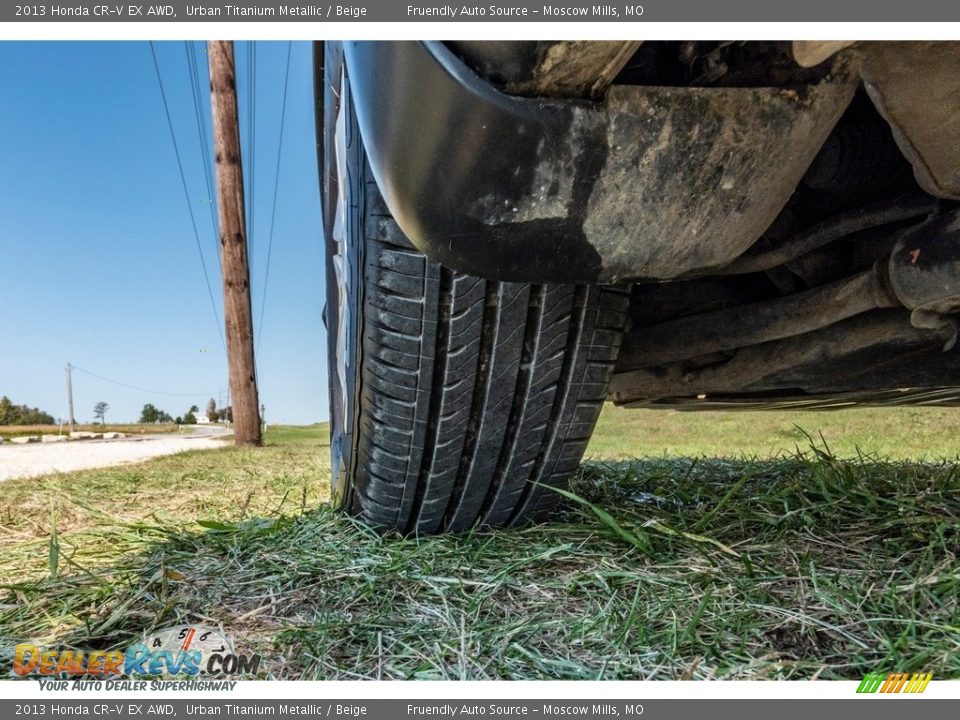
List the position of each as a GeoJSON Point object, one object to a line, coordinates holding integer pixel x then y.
{"type": "Point", "coordinates": [18, 461]}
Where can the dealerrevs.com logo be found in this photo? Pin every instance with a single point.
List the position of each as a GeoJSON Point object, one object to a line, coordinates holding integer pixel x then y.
{"type": "Point", "coordinates": [183, 650]}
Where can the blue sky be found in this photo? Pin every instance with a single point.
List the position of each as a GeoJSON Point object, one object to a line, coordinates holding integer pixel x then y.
{"type": "Point", "coordinates": [98, 262]}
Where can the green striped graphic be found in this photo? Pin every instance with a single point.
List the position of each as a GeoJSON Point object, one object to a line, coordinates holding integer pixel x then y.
{"type": "Point", "coordinates": [871, 683]}
{"type": "Point", "coordinates": [893, 683]}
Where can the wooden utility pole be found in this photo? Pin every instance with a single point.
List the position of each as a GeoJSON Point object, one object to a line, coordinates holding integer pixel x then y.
{"type": "Point", "coordinates": [70, 395]}
{"type": "Point", "coordinates": [233, 244]}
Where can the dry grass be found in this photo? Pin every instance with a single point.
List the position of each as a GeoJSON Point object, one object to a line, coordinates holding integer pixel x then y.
{"type": "Point", "coordinates": [7, 431]}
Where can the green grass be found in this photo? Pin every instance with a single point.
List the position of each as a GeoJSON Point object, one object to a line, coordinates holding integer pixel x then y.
{"type": "Point", "coordinates": [783, 566]}
{"type": "Point", "coordinates": [900, 433]}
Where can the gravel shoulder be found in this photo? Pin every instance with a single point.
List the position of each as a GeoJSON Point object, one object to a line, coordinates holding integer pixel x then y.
{"type": "Point", "coordinates": [21, 461]}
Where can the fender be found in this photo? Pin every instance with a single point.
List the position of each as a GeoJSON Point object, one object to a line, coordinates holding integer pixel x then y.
{"type": "Point", "coordinates": [651, 183]}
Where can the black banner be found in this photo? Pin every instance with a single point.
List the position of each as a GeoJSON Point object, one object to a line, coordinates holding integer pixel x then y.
{"type": "Point", "coordinates": [510, 11]}
{"type": "Point", "coordinates": [124, 709]}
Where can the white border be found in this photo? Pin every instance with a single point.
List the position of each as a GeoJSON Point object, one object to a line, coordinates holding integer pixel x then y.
{"type": "Point", "coordinates": [558, 690]}
{"type": "Point", "coordinates": [560, 30]}
{"type": "Point", "coordinates": [638, 690]}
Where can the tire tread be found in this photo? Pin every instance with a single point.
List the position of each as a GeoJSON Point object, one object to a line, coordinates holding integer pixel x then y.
{"type": "Point", "coordinates": [477, 395]}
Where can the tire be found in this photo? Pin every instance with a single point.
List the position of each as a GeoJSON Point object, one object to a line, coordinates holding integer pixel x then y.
{"type": "Point", "coordinates": [454, 400]}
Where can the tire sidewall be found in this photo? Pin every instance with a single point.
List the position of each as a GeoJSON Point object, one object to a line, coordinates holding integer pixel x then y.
{"type": "Point", "coordinates": [344, 407]}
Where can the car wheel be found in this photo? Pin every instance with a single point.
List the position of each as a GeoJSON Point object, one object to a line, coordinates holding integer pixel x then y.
{"type": "Point", "coordinates": [454, 400]}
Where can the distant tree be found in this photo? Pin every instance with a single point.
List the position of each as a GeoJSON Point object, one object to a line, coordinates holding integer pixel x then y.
{"type": "Point", "coordinates": [100, 411]}
{"type": "Point", "coordinates": [226, 414]}
{"type": "Point", "coordinates": [179, 420]}
{"type": "Point", "coordinates": [149, 414]}
{"type": "Point", "coordinates": [190, 418]}
{"type": "Point", "coordinates": [8, 411]}
{"type": "Point", "coordinates": [11, 414]}
{"type": "Point", "coordinates": [33, 416]}
{"type": "Point", "coordinates": [212, 413]}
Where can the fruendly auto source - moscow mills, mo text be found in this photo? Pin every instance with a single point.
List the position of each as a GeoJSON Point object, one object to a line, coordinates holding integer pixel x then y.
{"type": "Point", "coordinates": [508, 11]}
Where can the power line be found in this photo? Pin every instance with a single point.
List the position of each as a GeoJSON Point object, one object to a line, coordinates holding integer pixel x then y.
{"type": "Point", "coordinates": [194, 74]}
{"type": "Point", "coordinates": [186, 195]}
{"type": "Point", "coordinates": [135, 387]}
{"type": "Point", "coordinates": [276, 187]}
{"type": "Point", "coordinates": [251, 139]}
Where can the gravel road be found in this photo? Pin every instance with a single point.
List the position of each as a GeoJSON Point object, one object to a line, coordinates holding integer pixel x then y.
{"type": "Point", "coordinates": [19, 461]}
